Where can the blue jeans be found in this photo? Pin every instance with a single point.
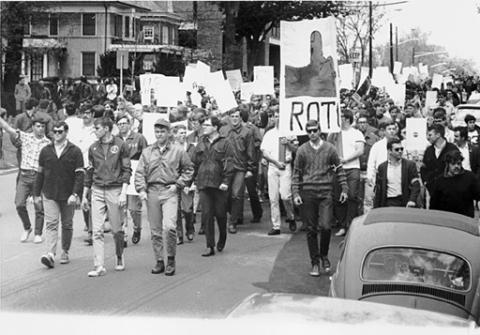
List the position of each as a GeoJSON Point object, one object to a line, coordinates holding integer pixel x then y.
{"type": "Point", "coordinates": [25, 183]}
{"type": "Point", "coordinates": [317, 214]}
{"type": "Point", "coordinates": [236, 196]}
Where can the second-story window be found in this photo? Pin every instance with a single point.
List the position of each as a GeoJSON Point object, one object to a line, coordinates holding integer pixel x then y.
{"type": "Point", "coordinates": [53, 25]}
{"type": "Point", "coordinates": [127, 26]}
{"type": "Point", "coordinates": [117, 31]}
{"type": "Point", "coordinates": [88, 24]}
{"type": "Point", "coordinates": [148, 33]}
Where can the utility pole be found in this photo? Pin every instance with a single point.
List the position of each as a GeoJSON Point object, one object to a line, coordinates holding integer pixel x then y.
{"type": "Point", "coordinates": [370, 48]}
{"type": "Point", "coordinates": [391, 48]}
{"type": "Point", "coordinates": [396, 43]}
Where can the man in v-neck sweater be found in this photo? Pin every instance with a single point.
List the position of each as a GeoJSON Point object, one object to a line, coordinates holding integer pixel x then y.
{"type": "Point", "coordinates": [312, 184]}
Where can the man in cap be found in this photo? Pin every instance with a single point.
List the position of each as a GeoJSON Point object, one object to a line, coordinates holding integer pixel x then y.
{"type": "Point", "coordinates": [108, 175]}
{"type": "Point", "coordinates": [32, 144]}
{"type": "Point", "coordinates": [316, 163]}
{"type": "Point", "coordinates": [163, 169]}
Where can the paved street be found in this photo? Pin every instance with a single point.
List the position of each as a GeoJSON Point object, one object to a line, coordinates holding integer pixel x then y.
{"type": "Point", "coordinates": [202, 287]}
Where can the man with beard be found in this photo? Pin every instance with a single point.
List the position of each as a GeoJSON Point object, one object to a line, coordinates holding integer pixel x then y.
{"type": "Point", "coordinates": [456, 189]}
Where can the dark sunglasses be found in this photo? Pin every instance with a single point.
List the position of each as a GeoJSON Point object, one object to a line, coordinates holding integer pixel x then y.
{"type": "Point", "coordinates": [311, 131]}
{"type": "Point", "coordinates": [58, 131]}
{"type": "Point", "coordinates": [398, 149]}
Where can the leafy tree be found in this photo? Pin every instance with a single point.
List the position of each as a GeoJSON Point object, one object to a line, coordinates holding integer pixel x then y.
{"type": "Point", "coordinates": [253, 20]}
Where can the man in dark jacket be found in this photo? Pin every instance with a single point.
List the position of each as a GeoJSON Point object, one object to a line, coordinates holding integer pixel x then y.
{"type": "Point", "coordinates": [456, 189]}
{"type": "Point", "coordinates": [433, 164]}
{"type": "Point", "coordinates": [60, 178]}
{"type": "Point", "coordinates": [470, 152]}
{"type": "Point", "coordinates": [397, 183]}
{"type": "Point", "coordinates": [213, 172]}
{"type": "Point", "coordinates": [243, 158]}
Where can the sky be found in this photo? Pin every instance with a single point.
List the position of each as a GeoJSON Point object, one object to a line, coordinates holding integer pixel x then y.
{"type": "Point", "coordinates": [453, 24]}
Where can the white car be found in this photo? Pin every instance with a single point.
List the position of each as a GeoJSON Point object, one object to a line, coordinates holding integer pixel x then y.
{"type": "Point", "coordinates": [458, 118]}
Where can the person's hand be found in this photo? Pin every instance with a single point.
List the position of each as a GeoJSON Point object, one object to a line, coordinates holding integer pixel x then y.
{"type": "Point", "coordinates": [249, 174]}
{"type": "Point", "coordinates": [85, 205]}
{"type": "Point", "coordinates": [72, 200]}
{"type": "Point", "coordinates": [173, 188]}
{"type": "Point", "coordinates": [37, 201]}
{"type": "Point", "coordinates": [297, 200]}
{"type": "Point", "coordinates": [280, 165]}
{"type": "Point", "coordinates": [343, 197]}
{"type": "Point", "coordinates": [411, 204]}
{"type": "Point", "coordinates": [143, 195]}
{"type": "Point", "coordinates": [186, 189]}
{"type": "Point", "coordinates": [283, 140]}
{"type": "Point", "coordinates": [122, 199]}
{"type": "Point", "coordinates": [193, 188]}
{"type": "Point", "coordinates": [223, 187]}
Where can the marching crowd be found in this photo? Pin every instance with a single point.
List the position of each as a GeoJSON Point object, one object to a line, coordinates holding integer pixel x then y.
{"type": "Point", "coordinates": [83, 148]}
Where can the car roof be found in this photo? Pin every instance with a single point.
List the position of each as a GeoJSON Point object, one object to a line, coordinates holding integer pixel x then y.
{"type": "Point", "coordinates": [422, 216]}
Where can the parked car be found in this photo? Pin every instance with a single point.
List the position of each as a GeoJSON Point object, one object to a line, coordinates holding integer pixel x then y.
{"type": "Point", "coordinates": [462, 110]}
{"type": "Point", "coordinates": [422, 259]}
{"type": "Point", "coordinates": [355, 316]}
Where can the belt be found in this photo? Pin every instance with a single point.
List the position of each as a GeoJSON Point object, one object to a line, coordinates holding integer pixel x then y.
{"type": "Point", "coordinates": [25, 171]}
{"type": "Point", "coordinates": [398, 196]}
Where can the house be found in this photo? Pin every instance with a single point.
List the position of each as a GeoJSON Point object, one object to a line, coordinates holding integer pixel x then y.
{"type": "Point", "coordinates": [68, 37]}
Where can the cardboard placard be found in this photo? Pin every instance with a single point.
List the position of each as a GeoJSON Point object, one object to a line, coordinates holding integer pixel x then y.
{"type": "Point", "coordinates": [346, 76]}
{"type": "Point", "coordinates": [263, 79]}
{"type": "Point", "coordinates": [235, 79]}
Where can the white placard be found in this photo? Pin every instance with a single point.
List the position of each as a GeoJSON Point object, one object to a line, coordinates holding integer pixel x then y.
{"type": "Point", "coordinates": [346, 76]}
{"type": "Point", "coordinates": [309, 87]}
{"type": "Point", "coordinates": [263, 79]}
{"type": "Point", "coordinates": [381, 77]}
{"type": "Point", "coordinates": [223, 95]}
{"type": "Point", "coordinates": [397, 93]}
{"type": "Point", "coordinates": [235, 79]}
{"type": "Point", "coordinates": [416, 134]}
{"type": "Point", "coordinates": [437, 81]}
{"type": "Point", "coordinates": [397, 67]}
{"type": "Point", "coordinates": [148, 82]}
{"type": "Point", "coordinates": [168, 92]}
{"type": "Point", "coordinates": [149, 120]}
{"type": "Point", "coordinates": [131, 187]}
{"type": "Point", "coordinates": [247, 90]}
{"type": "Point", "coordinates": [431, 99]}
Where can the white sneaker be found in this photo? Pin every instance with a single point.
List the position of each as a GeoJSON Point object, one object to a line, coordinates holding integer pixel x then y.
{"type": "Point", "coordinates": [37, 239]}
{"type": "Point", "coordinates": [64, 259]}
{"type": "Point", "coordinates": [120, 264]}
{"type": "Point", "coordinates": [25, 235]}
{"type": "Point", "coordinates": [341, 232]}
{"type": "Point", "coordinates": [48, 260]}
{"type": "Point", "coordinates": [99, 271]}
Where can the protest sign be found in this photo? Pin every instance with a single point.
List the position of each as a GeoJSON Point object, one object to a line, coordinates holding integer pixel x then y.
{"type": "Point", "coordinates": [397, 67]}
{"type": "Point", "coordinates": [235, 79]}
{"type": "Point", "coordinates": [263, 79]}
{"type": "Point", "coordinates": [168, 91]}
{"type": "Point", "coordinates": [397, 93]}
{"type": "Point", "coordinates": [416, 138]}
{"type": "Point", "coordinates": [309, 88]}
{"type": "Point", "coordinates": [247, 90]}
{"type": "Point", "coordinates": [149, 120]}
{"type": "Point", "coordinates": [148, 82]}
{"type": "Point", "coordinates": [431, 99]}
{"type": "Point", "coordinates": [131, 187]}
{"type": "Point", "coordinates": [363, 90]}
{"type": "Point", "coordinates": [364, 73]}
{"type": "Point", "coordinates": [437, 81]}
{"type": "Point", "coordinates": [381, 77]}
{"type": "Point", "coordinates": [346, 76]}
{"type": "Point", "coordinates": [220, 89]}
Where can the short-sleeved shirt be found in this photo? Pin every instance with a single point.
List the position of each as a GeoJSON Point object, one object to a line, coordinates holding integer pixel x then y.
{"type": "Point", "coordinates": [350, 138]}
{"type": "Point", "coordinates": [270, 144]}
{"type": "Point", "coordinates": [31, 147]}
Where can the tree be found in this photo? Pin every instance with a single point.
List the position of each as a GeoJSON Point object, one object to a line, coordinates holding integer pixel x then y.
{"type": "Point", "coordinates": [253, 20]}
{"type": "Point", "coordinates": [15, 15]}
{"type": "Point", "coordinates": [353, 30]}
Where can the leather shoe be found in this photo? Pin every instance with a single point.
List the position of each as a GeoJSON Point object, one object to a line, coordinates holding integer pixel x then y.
{"type": "Point", "coordinates": [209, 252]}
{"type": "Point", "coordinates": [220, 246]}
{"type": "Point", "coordinates": [170, 270]}
{"type": "Point", "coordinates": [158, 268]}
{"type": "Point", "coordinates": [88, 240]}
{"type": "Point", "coordinates": [274, 232]}
{"type": "Point", "coordinates": [180, 240]}
{"type": "Point", "coordinates": [292, 225]}
{"type": "Point", "coordinates": [232, 229]}
{"type": "Point", "coordinates": [201, 231]}
{"type": "Point", "coordinates": [136, 237]}
{"type": "Point", "coordinates": [190, 237]}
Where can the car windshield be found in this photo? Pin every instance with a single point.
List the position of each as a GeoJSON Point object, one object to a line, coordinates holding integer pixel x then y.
{"type": "Point", "coordinates": [413, 265]}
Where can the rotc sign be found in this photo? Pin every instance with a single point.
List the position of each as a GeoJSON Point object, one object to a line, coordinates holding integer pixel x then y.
{"type": "Point", "coordinates": [309, 87]}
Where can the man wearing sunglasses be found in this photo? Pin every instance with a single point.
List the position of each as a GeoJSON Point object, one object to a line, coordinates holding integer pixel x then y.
{"type": "Point", "coordinates": [316, 164]}
{"type": "Point", "coordinates": [60, 179]}
{"type": "Point", "coordinates": [397, 183]}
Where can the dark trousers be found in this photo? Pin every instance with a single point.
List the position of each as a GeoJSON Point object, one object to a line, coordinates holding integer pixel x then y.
{"type": "Point", "coordinates": [317, 213]}
{"type": "Point", "coordinates": [25, 183]}
{"type": "Point", "coordinates": [251, 184]}
{"type": "Point", "coordinates": [346, 212]}
{"type": "Point", "coordinates": [214, 204]}
{"type": "Point", "coordinates": [236, 196]}
{"type": "Point", "coordinates": [394, 202]}
{"type": "Point", "coordinates": [185, 210]}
